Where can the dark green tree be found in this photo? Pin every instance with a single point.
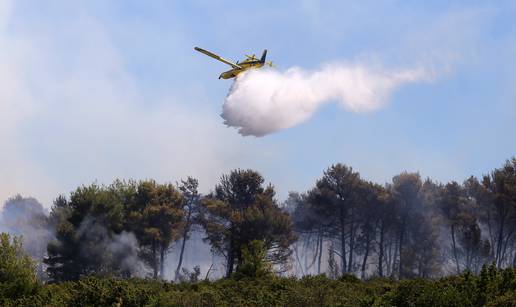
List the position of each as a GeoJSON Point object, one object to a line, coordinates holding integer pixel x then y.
{"type": "Point", "coordinates": [107, 230]}
{"type": "Point", "coordinates": [84, 226]}
{"type": "Point", "coordinates": [241, 210]}
{"type": "Point", "coordinates": [156, 217]}
{"type": "Point", "coordinates": [335, 198]}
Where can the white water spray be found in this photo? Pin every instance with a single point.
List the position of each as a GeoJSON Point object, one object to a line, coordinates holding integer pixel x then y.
{"type": "Point", "coordinates": [265, 101]}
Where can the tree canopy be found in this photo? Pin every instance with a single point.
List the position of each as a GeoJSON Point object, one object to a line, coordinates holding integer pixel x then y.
{"type": "Point", "coordinates": [242, 210]}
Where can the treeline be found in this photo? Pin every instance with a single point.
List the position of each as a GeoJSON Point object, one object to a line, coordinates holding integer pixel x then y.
{"type": "Point", "coordinates": [409, 227]}
{"type": "Point", "coordinates": [127, 227]}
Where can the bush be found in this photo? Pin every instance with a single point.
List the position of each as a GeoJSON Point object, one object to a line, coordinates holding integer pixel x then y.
{"type": "Point", "coordinates": [254, 264]}
{"type": "Point", "coordinates": [17, 270]}
{"type": "Point", "coordinates": [498, 286]}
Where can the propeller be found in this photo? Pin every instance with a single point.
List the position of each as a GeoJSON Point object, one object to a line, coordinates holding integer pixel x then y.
{"type": "Point", "coordinates": [270, 64]}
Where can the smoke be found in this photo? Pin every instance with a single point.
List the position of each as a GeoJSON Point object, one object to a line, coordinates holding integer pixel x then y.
{"type": "Point", "coordinates": [109, 251]}
{"type": "Point", "coordinates": [265, 101]}
{"type": "Point", "coordinates": [25, 217]}
{"type": "Point", "coordinates": [197, 253]}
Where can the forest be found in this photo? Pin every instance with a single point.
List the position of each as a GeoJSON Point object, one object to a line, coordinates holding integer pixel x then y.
{"type": "Point", "coordinates": [345, 241]}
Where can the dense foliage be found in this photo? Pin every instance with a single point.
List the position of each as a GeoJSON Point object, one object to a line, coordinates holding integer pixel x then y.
{"type": "Point", "coordinates": [110, 230]}
{"type": "Point", "coordinates": [17, 270]}
{"type": "Point", "coordinates": [242, 210]}
{"type": "Point", "coordinates": [491, 288]}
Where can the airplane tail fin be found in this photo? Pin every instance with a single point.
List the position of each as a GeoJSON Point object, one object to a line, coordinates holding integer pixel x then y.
{"type": "Point", "coordinates": [264, 55]}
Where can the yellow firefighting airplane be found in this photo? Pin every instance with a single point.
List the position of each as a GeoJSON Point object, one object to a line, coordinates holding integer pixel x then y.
{"type": "Point", "coordinates": [250, 62]}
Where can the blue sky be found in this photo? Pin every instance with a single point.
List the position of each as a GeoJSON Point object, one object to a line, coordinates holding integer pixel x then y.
{"type": "Point", "coordinates": [97, 90]}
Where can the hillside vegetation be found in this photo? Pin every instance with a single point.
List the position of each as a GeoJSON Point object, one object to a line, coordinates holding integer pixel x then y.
{"type": "Point", "coordinates": [492, 288]}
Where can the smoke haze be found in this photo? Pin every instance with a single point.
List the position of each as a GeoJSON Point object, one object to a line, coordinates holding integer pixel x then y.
{"type": "Point", "coordinates": [114, 251]}
{"type": "Point", "coordinates": [25, 217]}
{"type": "Point", "coordinates": [265, 101]}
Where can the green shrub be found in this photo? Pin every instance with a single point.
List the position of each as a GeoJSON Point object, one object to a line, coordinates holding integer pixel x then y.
{"type": "Point", "coordinates": [498, 286]}
{"type": "Point", "coordinates": [17, 270]}
{"type": "Point", "coordinates": [255, 264]}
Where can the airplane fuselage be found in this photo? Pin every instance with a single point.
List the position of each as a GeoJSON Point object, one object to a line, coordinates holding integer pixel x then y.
{"type": "Point", "coordinates": [245, 66]}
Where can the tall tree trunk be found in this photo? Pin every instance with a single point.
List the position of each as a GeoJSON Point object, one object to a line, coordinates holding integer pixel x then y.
{"type": "Point", "coordinates": [180, 263]}
{"type": "Point", "coordinates": [454, 247]}
{"type": "Point", "coordinates": [162, 262]}
{"type": "Point", "coordinates": [342, 243]}
{"type": "Point", "coordinates": [504, 249]}
{"type": "Point", "coordinates": [320, 252]}
{"type": "Point", "coordinates": [306, 250]}
{"type": "Point", "coordinates": [239, 260]}
{"type": "Point", "coordinates": [183, 244]}
{"type": "Point", "coordinates": [491, 233]}
{"type": "Point", "coordinates": [296, 253]}
{"type": "Point", "coordinates": [380, 255]}
{"type": "Point", "coordinates": [468, 258]}
{"type": "Point", "coordinates": [499, 243]}
{"type": "Point", "coordinates": [400, 250]}
{"type": "Point", "coordinates": [364, 261]}
{"type": "Point", "coordinates": [390, 257]}
{"type": "Point", "coordinates": [314, 253]}
{"type": "Point", "coordinates": [231, 258]}
{"type": "Point", "coordinates": [154, 260]}
{"type": "Point", "coordinates": [351, 246]}
{"type": "Point", "coordinates": [395, 256]}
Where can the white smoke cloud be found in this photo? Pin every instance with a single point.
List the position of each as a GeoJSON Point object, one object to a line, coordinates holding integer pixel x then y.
{"type": "Point", "coordinates": [265, 101]}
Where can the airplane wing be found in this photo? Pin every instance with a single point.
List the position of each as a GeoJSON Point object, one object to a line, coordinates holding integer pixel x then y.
{"type": "Point", "coordinates": [216, 57]}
